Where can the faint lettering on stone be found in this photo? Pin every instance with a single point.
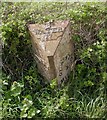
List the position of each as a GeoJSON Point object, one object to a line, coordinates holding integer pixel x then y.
{"type": "Point", "coordinates": [50, 30]}
{"type": "Point", "coordinates": [66, 59]}
{"type": "Point", "coordinates": [65, 78]}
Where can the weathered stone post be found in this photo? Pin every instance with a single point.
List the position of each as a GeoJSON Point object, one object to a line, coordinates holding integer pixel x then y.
{"type": "Point", "coordinates": [53, 49]}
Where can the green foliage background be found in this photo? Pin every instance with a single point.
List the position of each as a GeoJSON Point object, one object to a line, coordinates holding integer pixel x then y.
{"type": "Point", "coordinates": [25, 95]}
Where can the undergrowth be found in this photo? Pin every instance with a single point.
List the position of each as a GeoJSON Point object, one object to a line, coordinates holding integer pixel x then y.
{"type": "Point", "coordinates": [24, 92]}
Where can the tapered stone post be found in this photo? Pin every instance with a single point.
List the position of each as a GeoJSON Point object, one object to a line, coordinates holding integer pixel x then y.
{"type": "Point", "coordinates": [53, 49]}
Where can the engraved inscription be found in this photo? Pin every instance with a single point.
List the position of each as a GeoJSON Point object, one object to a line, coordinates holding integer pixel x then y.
{"type": "Point", "coordinates": [65, 78]}
{"type": "Point", "coordinates": [49, 30]}
{"type": "Point", "coordinates": [65, 65]}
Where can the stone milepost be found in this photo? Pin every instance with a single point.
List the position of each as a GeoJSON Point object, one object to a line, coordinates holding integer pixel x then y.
{"type": "Point", "coordinates": [53, 49]}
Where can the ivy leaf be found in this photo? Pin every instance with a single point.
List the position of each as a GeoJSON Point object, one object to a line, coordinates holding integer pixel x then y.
{"type": "Point", "coordinates": [27, 102]}
{"type": "Point", "coordinates": [31, 112]}
{"type": "Point", "coordinates": [16, 88]}
{"type": "Point", "coordinates": [53, 83]}
{"type": "Point", "coordinates": [23, 114]}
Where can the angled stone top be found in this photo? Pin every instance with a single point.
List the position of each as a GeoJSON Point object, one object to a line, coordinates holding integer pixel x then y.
{"type": "Point", "coordinates": [51, 47]}
{"type": "Point", "coordinates": [48, 35]}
